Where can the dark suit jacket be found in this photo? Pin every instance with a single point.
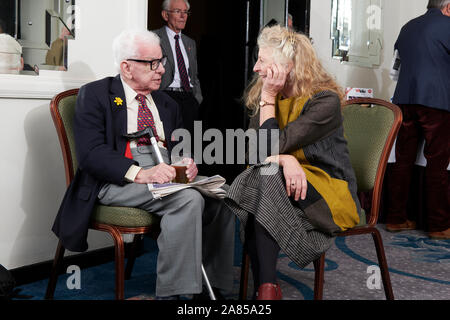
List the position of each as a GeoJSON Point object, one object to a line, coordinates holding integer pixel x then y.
{"type": "Point", "coordinates": [191, 50]}
{"type": "Point", "coordinates": [99, 126]}
{"type": "Point", "coordinates": [424, 48]}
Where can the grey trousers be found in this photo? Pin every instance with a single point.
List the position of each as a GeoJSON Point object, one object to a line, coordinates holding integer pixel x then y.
{"type": "Point", "coordinates": [193, 230]}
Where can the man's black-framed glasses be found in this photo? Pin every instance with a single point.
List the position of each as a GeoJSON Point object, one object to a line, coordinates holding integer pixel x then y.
{"type": "Point", "coordinates": [179, 12]}
{"type": "Point", "coordinates": [154, 64]}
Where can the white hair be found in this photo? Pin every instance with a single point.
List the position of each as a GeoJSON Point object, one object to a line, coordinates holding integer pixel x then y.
{"type": "Point", "coordinates": [166, 4]}
{"type": "Point", "coordinates": [127, 43]}
{"type": "Point", "coordinates": [438, 4]}
{"type": "Point", "coordinates": [10, 54]}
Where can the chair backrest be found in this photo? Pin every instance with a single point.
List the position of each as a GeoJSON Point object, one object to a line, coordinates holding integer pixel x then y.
{"type": "Point", "coordinates": [370, 127]}
{"type": "Point", "coordinates": [62, 109]}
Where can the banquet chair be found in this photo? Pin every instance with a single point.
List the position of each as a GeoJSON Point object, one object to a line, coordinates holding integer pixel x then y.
{"type": "Point", "coordinates": [113, 220]}
{"type": "Point", "coordinates": [370, 127]}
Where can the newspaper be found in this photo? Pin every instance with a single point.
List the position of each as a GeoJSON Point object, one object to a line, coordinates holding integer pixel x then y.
{"type": "Point", "coordinates": [208, 186]}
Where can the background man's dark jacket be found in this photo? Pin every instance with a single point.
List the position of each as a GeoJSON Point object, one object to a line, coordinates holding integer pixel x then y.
{"type": "Point", "coordinates": [191, 50]}
{"type": "Point", "coordinates": [424, 48]}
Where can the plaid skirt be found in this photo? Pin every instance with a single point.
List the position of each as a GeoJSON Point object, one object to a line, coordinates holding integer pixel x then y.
{"type": "Point", "coordinates": [261, 190]}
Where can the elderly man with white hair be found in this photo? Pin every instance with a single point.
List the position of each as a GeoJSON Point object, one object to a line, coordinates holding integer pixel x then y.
{"type": "Point", "coordinates": [10, 55]}
{"type": "Point", "coordinates": [114, 171]}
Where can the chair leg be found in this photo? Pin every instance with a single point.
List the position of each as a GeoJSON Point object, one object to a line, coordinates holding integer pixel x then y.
{"type": "Point", "coordinates": [132, 255]}
{"type": "Point", "coordinates": [244, 276]}
{"type": "Point", "coordinates": [120, 261]}
{"type": "Point", "coordinates": [319, 273]}
{"type": "Point", "coordinates": [120, 257]}
{"type": "Point", "coordinates": [383, 264]}
{"type": "Point", "coordinates": [57, 262]}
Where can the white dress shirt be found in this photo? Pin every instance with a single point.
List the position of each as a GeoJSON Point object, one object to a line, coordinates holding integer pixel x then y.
{"type": "Point", "coordinates": [176, 77]}
{"type": "Point", "coordinates": [132, 125]}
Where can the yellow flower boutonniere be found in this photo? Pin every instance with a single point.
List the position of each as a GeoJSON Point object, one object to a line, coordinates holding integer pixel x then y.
{"type": "Point", "coordinates": [118, 101]}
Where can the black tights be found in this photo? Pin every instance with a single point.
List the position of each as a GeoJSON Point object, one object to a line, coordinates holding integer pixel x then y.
{"type": "Point", "coordinates": [263, 251]}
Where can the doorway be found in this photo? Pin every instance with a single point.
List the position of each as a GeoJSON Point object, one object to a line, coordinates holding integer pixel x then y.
{"type": "Point", "coordinates": [226, 36]}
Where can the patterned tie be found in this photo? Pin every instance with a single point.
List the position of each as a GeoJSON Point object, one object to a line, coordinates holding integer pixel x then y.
{"type": "Point", "coordinates": [145, 119]}
{"type": "Point", "coordinates": [181, 66]}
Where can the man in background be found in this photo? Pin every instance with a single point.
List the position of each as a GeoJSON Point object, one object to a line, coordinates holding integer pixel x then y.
{"type": "Point", "coordinates": [423, 94]}
{"type": "Point", "coordinates": [180, 80]}
{"type": "Point", "coordinates": [54, 56]}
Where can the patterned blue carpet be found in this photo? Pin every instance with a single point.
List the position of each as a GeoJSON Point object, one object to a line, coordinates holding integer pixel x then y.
{"type": "Point", "coordinates": [419, 270]}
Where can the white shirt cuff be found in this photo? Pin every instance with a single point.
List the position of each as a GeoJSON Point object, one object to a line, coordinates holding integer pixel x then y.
{"type": "Point", "coordinates": [132, 173]}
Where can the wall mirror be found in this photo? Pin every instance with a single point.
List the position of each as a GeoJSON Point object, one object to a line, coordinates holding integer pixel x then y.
{"type": "Point", "coordinates": [356, 31]}
{"type": "Point", "coordinates": [273, 12]}
{"type": "Point", "coordinates": [40, 30]}
{"type": "Point", "coordinates": [290, 13]}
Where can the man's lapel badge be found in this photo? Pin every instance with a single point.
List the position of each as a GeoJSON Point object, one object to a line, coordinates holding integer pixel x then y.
{"type": "Point", "coordinates": [118, 101]}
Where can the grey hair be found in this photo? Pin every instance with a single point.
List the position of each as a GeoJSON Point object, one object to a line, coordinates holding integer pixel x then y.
{"type": "Point", "coordinates": [128, 42]}
{"type": "Point", "coordinates": [438, 4]}
{"type": "Point", "coordinates": [166, 4]}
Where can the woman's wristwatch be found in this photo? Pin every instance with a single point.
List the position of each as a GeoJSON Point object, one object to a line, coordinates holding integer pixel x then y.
{"type": "Point", "coordinates": [263, 103]}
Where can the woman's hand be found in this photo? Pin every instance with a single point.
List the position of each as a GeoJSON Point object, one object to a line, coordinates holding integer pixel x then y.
{"type": "Point", "coordinates": [273, 82]}
{"type": "Point", "coordinates": [191, 170]}
{"type": "Point", "coordinates": [296, 183]}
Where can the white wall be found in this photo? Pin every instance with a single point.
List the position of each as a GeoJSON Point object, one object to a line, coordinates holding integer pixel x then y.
{"type": "Point", "coordinates": [31, 165]}
{"type": "Point", "coordinates": [395, 15]}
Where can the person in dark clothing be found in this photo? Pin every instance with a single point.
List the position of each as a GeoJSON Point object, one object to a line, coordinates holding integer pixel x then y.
{"type": "Point", "coordinates": [423, 94]}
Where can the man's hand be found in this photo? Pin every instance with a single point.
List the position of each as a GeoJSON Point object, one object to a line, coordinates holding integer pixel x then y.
{"type": "Point", "coordinates": [162, 173]}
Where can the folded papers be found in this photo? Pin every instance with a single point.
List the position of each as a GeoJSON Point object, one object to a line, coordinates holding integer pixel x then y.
{"type": "Point", "coordinates": [208, 186]}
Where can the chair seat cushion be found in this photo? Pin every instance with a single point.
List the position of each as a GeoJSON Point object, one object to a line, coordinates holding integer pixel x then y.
{"type": "Point", "coordinates": [123, 216]}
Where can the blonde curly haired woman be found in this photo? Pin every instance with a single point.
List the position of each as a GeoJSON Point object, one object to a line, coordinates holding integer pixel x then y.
{"type": "Point", "coordinates": [312, 196]}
